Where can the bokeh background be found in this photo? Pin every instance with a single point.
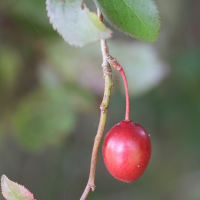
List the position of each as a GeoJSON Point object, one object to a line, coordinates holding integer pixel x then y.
{"type": "Point", "coordinates": [50, 94]}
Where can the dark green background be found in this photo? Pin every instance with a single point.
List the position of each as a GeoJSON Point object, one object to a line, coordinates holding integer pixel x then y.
{"type": "Point", "coordinates": [49, 118]}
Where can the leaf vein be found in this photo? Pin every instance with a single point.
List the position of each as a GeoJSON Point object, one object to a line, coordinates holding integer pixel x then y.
{"type": "Point", "coordinates": [138, 17]}
{"type": "Point", "coordinates": [12, 192]}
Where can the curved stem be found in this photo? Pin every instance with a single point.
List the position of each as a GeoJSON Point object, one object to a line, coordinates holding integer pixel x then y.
{"type": "Point", "coordinates": [126, 92]}
{"type": "Point", "coordinates": [107, 74]}
{"type": "Point", "coordinates": [113, 63]}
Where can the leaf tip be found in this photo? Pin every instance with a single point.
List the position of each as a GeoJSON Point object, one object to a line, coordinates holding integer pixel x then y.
{"type": "Point", "coordinates": [3, 179]}
{"type": "Point", "coordinates": [4, 186]}
{"type": "Point", "coordinates": [9, 187]}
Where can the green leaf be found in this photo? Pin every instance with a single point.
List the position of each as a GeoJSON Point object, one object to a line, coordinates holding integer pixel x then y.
{"type": "Point", "coordinates": [78, 26]}
{"type": "Point", "coordinates": [138, 18]}
{"type": "Point", "coordinates": [14, 191]}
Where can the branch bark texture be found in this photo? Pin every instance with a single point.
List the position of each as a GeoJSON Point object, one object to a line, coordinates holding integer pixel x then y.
{"type": "Point", "coordinates": [107, 74]}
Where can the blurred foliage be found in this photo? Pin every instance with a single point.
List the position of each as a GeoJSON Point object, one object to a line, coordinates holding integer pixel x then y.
{"type": "Point", "coordinates": [50, 94]}
{"type": "Point", "coordinates": [10, 68]}
{"type": "Point", "coordinates": [43, 117]}
{"type": "Point", "coordinates": [39, 104]}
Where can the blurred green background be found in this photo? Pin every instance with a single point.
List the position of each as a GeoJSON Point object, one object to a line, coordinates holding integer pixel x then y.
{"type": "Point", "coordinates": [50, 94]}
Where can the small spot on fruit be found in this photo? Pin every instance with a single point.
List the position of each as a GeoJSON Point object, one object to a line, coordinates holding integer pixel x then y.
{"type": "Point", "coordinates": [149, 135]}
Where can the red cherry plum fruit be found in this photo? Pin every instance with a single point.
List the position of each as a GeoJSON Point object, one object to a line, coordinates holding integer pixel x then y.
{"type": "Point", "coordinates": [126, 151]}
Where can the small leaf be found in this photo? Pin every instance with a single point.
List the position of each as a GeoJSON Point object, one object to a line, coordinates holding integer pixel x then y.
{"type": "Point", "coordinates": [139, 19]}
{"type": "Point", "coordinates": [14, 191]}
{"type": "Point", "coordinates": [76, 25]}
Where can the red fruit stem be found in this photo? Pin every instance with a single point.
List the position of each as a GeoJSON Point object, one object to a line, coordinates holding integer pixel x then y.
{"type": "Point", "coordinates": [113, 63]}
{"type": "Point", "coordinates": [126, 92]}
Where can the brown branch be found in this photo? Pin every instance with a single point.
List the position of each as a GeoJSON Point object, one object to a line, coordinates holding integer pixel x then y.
{"type": "Point", "coordinates": [107, 74]}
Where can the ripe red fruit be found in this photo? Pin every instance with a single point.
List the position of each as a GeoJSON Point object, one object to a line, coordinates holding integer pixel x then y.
{"type": "Point", "coordinates": [126, 150]}
{"type": "Point", "coordinates": [126, 146]}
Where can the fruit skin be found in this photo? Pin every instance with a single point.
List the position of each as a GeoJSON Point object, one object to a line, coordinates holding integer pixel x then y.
{"type": "Point", "coordinates": [126, 151]}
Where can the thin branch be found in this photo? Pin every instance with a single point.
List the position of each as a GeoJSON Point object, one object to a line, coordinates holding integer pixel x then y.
{"type": "Point", "coordinates": [107, 74]}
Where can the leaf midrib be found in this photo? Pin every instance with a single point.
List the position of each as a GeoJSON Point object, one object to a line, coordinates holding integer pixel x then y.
{"type": "Point", "coordinates": [11, 191]}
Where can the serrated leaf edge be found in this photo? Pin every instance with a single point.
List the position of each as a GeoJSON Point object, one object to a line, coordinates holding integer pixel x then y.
{"type": "Point", "coordinates": [72, 43]}
{"type": "Point", "coordinates": [4, 178]}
